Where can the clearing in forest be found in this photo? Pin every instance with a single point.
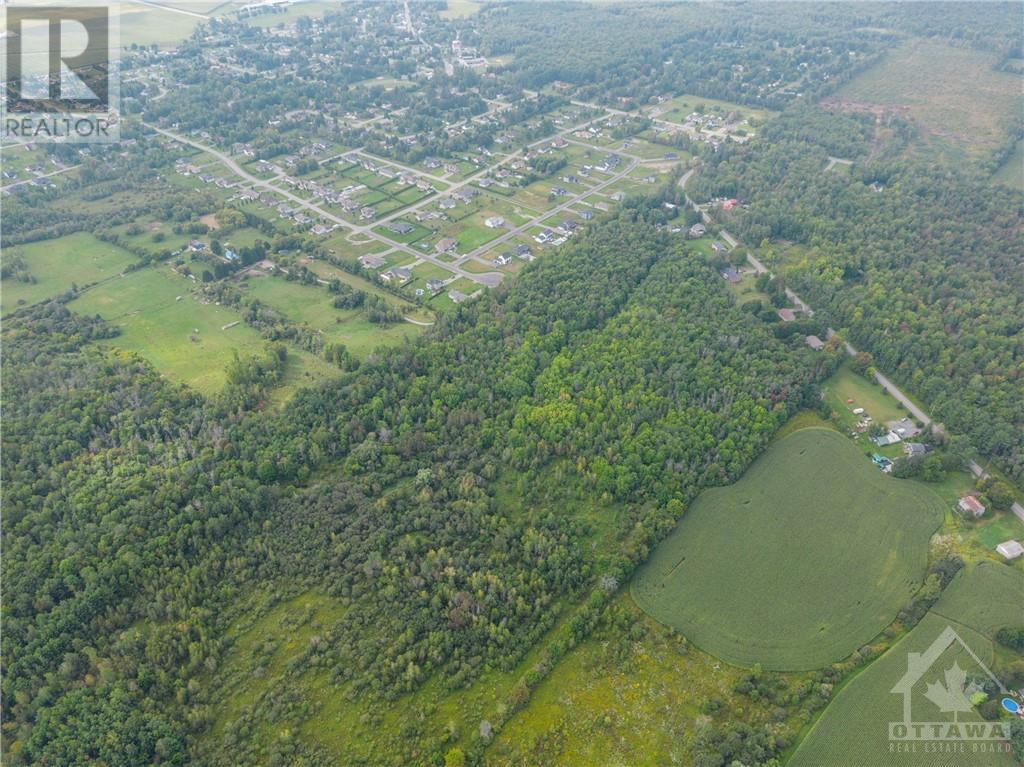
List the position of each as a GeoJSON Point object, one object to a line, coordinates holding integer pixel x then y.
{"type": "Point", "coordinates": [957, 98]}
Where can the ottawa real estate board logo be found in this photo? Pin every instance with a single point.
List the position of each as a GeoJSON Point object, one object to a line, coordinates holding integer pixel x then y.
{"type": "Point", "coordinates": [940, 689]}
{"type": "Point", "coordinates": [60, 72]}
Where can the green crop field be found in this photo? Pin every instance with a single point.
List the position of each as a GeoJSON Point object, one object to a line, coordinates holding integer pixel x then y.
{"type": "Point", "coordinates": [806, 558]}
{"type": "Point", "coordinates": [78, 259]}
{"type": "Point", "coordinates": [953, 94]}
{"type": "Point", "coordinates": [854, 728]}
{"type": "Point", "coordinates": [185, 340]}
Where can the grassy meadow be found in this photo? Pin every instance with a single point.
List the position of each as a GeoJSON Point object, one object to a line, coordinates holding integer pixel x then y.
{"type": "Point", "coordinates": [185, 339]}
{"type": "Point", "coordinates": [807, 557]}
{"type": "Point", "coordinates": [76, 259]}
{"type": "Point", "coordinates": [313, 306]}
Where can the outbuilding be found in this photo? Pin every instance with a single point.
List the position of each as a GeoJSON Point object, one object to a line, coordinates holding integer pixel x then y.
{"type": "Point", "coordinates": [1010, 550]}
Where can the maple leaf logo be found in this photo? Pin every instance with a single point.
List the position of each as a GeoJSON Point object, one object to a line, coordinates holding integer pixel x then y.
{"type": "Point", "coordinates": [950, 697]}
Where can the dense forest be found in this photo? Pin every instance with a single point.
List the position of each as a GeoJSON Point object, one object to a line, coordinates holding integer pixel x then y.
{"type": "Point", "coordinates": [921, 265]}
{"type": "Point", "coordinates": [138, 513]}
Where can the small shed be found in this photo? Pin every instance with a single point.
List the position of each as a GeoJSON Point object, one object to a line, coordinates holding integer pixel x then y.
{"type": "Point", "coordinates": [1010, 549]}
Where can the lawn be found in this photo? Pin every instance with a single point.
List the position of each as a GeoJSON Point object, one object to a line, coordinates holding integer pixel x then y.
{"type": "Point", "coordinates": [807, 557]}
{"type": "Point", "coordinates": [473, 236]}
{"type": "Point", "coordinates": [78, 259]}
{"type": "Point", "coordinates": [854, 728]}
{"type": "Point", "coordinates": [953, 94]}
{"type": "Point", "coordinates": [185, 340]}
{"type": "Point", "coordinates": [845, 385]}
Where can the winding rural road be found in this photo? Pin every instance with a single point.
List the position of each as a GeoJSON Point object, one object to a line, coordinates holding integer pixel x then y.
{"type": "Point", "coordinates": [898, 395]}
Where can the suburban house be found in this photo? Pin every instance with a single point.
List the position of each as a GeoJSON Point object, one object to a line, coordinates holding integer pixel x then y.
{"type": "Point", "coordinates": [817, 344]}
{"type": "Point", "coordinates": [503, 259]}
{"type": "Point", "coordinates": [434, 285]}
{"type": "Point", "coordinates": [400, 227]}
{"type": "Point", "coordinates": [971, 505]}
{"type": "Point", "coordinates": [457, 296]}
{"type": "Point", "coordinates": [731, 275]}
{"type": "Point", "coordinates": [446, 245]}
{"type": "Point", "coordinates": [399, 274]}
{"type": "Point", "coordinates": [719, 247]}
{"type": "Point", "coordinates": [372, 261]}
{"type": "Point", "coordinates": [494, 222]}
{"type": "Point", "coordinates": [1010, 550]}
{"type": "Point", "coordinates": [787, 315]}
{"type": "Point", "coordinates": [698, 230]}
{"type": "Point", "coordinates": [913, 449]}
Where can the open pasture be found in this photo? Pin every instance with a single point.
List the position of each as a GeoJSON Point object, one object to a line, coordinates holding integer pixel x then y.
{"type": "Point", "coordinates": [806, 558]}
{"type": "Point", "coordinates": [185, 339]}
{"type": "Point", "coordinates": [56, 265]}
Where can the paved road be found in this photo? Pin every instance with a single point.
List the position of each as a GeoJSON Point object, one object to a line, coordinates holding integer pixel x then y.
{"type": "Point", "coordinates": [883, 380]}
{"type": "Point", "coordinates": [554, 211]}
{"type": "Point", "coordinates": [481, 279]}
{"type": "Point", "coordinates": [487, 279]}
{"type": "Point", "coordinates": [42, 175]}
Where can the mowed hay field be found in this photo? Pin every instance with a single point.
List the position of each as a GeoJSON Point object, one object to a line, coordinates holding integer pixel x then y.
{"type": "Point", "coordinates": [854, 729]}
{"type": "Point", "coordinates": [960, 103]}
{"type": "Point", "coordinates": [806, 558]}
{"type": "Point", "coordinates": [56, 265]}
